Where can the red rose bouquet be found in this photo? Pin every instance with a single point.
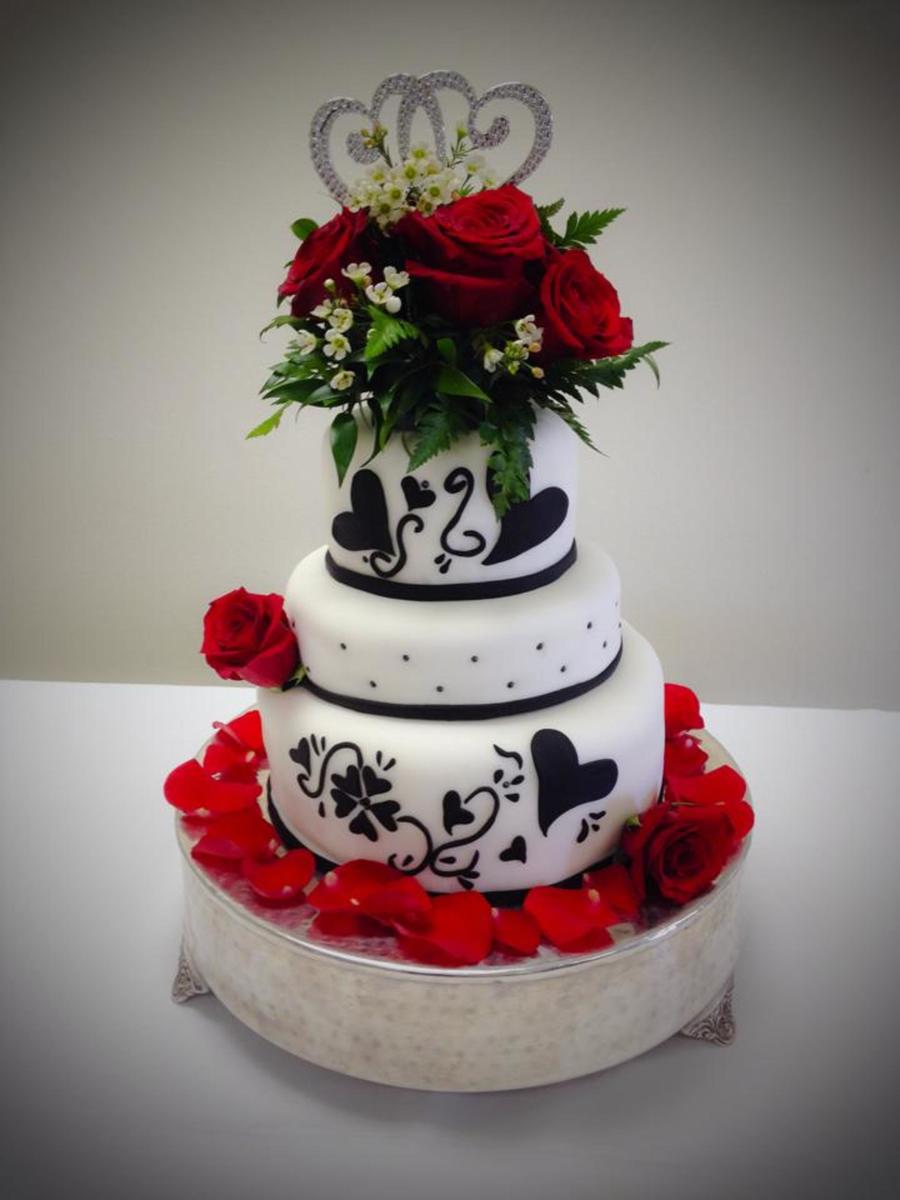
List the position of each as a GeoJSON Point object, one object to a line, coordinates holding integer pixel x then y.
{"type": "Point", "coordinates": [438, 302]}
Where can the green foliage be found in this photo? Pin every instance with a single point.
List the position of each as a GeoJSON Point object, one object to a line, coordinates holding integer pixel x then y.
{"type": "Point", "coordinates": [387, 332]}
{"type": "Point", "coordinates": [303, 227]}
{"type": "Point", "coordinates": [344, 432]}
{"type": "Point", "coordinates": [418, 377]}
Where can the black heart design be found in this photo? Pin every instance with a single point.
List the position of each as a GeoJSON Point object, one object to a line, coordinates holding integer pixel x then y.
{"type": "Point", "coordinates": [300, 754]}
{"type": "Point", "coordinates": [373, 785]}
{"type": "Point", "coordinates": [454, 812]}
{"type": "Point", "coordinates": [528, 523]}
{"type": "Point", "coordinates": [366, 526]}
{"type": "Point", "coordinates": [418, 495]}
{"type": "Point", "coordinates": [564, 782]}
{"type": "Point", "coordinates": [516, 851]}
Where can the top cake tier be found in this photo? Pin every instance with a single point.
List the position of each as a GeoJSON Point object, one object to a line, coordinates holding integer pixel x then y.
{"type": "Point", "coordinates": [433, 532]}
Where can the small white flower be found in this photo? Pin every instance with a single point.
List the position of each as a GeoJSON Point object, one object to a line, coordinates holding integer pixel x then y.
{"type": "Point", "coordinates": [395, 279]}
{"type": "Point", "coordinates": [342, 380]}
{"type": "Point", "coordinates": [358, 272]}
{"type": "Point", "coordinates": [306, 342]}
{"type": "Point", "coordinates": [516, 352]}
{"type": "Point", "coordinates": [378, 173]}
{"type": "Point", "coordinates": [528, 331]}
{"type": "Point", "coordinates": [419, 152]}
{"type": "Point", "coordinates": [492, 358]}
{"type": "Point", "coordinates": [336, 345]}
{"type": "Point", "coordinates": [341, 319]}
{"type": "Point", "coordinates": [475, 163]}
{"type": "Point", "coordinates": [382, 294]}
{"type": "Point", "coordinates": [323, 310]}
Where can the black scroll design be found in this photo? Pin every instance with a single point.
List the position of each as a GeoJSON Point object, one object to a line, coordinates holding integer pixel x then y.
{"type": "Point", "coordinates": [360, 792]}
{"type": "Point", "coordinates": [460, 479]}
{"type": "Point", "coordinates": [386, 565]}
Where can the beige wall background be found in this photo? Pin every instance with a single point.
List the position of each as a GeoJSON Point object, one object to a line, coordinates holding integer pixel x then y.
{"type": "Point", "coordinates": [153, 158]}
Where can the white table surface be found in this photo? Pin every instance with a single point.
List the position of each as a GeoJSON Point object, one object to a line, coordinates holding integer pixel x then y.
{"type": "Point", "coordinates": [112, 1090]}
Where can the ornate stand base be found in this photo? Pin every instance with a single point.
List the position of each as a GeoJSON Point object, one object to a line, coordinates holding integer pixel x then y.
{"type": "Point", "coordinates": [716, 1023]}
{"type": "Point", "coordinates": [360, 1008]}
{"type": "Point", "coordinates": [187, 983]}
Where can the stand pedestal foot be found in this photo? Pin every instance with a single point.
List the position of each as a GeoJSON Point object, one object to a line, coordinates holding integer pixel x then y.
{"type": "Point", "coordinates": [187, 983]}
{"type": "Point", "coordinates": [716, 1023]}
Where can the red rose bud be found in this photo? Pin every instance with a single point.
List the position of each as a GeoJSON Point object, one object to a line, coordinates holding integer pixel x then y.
{"type": "Point", "coordinates": [579, 311]}
{"type": "Point", "coordinates": [344, 239]}
{"type": "Point", "coordinates": [682, 709]}
{"type": "Point", "coordinates": [246, 636]}
{"type": "Point", "coordinates": [474, 257]}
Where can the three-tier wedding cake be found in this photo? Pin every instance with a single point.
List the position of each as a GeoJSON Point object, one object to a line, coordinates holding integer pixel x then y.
{"type": "Point", "coordinates": [474, 710]}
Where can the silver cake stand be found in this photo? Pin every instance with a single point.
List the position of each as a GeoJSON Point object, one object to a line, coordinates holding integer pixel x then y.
{"type": "Point", "coordinates": [357, 1007]}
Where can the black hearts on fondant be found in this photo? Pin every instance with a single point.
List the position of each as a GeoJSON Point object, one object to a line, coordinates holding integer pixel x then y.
{"type": "Point", "coordinates": [300, 754]}
{"type": "Point", "coordinates": [418, 495]}
{"type": "Point", "coordinates": [366, 526]}
{"type": "Point", "coordinates": [528, 523]}
{"type": "Point", "coordinates": [563, 782]}
{"type": "Point", "coordinates": [455, 813]}
{"type": "Point", "coordinates": [516, 851]}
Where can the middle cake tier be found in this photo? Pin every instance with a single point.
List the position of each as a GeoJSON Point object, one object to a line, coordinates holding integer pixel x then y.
{"type": "Point", "coordinates": [516, 652]}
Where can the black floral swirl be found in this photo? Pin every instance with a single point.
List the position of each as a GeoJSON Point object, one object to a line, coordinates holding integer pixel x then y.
{"type": "Point", "coordinates": [361, 795]}
{"type": "Point", "coordinates": [386, 565]}
{"type": "Point", "coordinates": [462, 480]}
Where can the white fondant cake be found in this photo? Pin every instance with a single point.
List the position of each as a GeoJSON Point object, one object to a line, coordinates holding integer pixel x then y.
{"type": "Point", "coordinates": [437, 524]}
{"type": "Point", "coordinates": [473, 711]}
{"type": "Point", "coordinates": [500, 804]}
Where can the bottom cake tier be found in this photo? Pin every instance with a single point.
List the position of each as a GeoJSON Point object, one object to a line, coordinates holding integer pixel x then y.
{"type": "Point", "coordinates": [500, 805]}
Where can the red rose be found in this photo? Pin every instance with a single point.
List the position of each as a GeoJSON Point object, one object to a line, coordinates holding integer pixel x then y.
{"type": "Point", "coordinates": [476, 255]}
{"type": "Point", "coordinates": [246, 636]}
{"type": "Point", "coordinates": [579, 310]}
{"type": "Point", "coordinates": [342, 240]}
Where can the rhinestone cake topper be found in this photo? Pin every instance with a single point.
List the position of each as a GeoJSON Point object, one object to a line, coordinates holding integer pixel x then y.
{"type": "Point", "coordinates": [419, 92]}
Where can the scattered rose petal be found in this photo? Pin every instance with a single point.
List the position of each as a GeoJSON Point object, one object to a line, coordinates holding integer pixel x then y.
{"type": "Point", "coordinates": [246, 730]}
{"type": "Point", "coordinates": [230, 761]}
{"type": "Point", "coordinates": [345, 887]}
{"type": "Point", "coordinates": [282, 878]}
{"type": "Point", "coordinates": [235, 836]}
{"type": "Point", "coordinates": [567, 916]}
{"type": "Point", "coordinates": [516, 931]}
{"type": "Point", "coordinates": [403, 903]}
{"type": "Point", "coordinates": [192, 790]}
{"type": "Point", "coordinates": [460, 933]}
{"type": "Point", "coordinates": [346, 925]}
{"type": "Point", "coordinates": [616, 887]}
{"type": "Point", "coordinates": [682, 709]}
{"type": "Point", "coordinates": [684, 756]}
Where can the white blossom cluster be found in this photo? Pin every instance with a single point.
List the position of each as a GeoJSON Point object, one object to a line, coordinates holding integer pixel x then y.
{"type": "Point", "coordinates": [336, 317]}
{"type": "Point", "coordinates": [420, 183]}
{"type": "Point", "coordinates": [516, 351]}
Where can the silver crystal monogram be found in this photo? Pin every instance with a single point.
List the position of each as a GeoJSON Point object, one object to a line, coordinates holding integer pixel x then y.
{"type": "Point", "coordinates": [419, 92]}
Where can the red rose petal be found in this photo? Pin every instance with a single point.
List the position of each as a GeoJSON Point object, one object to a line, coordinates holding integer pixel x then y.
{"type": "Point", "coordinates": [231, 761]}
{"type": "Point", "coordinates": [616, 887]}
{"type": "Point", "coordinates": [403, 902]}
{"type": "Point", "coordinates": [567, 916]}
{"type": "Point", "coordinates": [345, 888]}
{"type": "Point", "coordinates": [682, 709]}
{"type": "Point", "coordinates": [192, 790]}
{"type": "Point", "coordinates": [282, 878]}
{"type": "Point", "coordinates": [460, 933]}
{"type": "Point", "coordinates": [684, 756]}
{"type": "Point", "coordinates": [516, 931]}
{"type": "Point", "coordinates": [246, 730]}
{"type": "Point", "coordinates": [235, 836]}
{"type": "Point", "coordinates": [721, 786]}
{"type": "Point", "coordinates": [346, 925]}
